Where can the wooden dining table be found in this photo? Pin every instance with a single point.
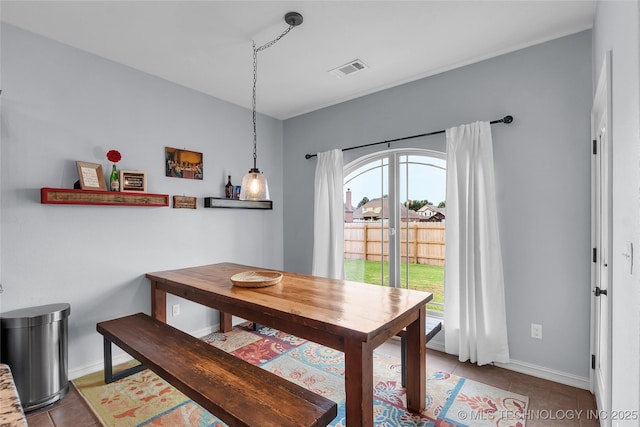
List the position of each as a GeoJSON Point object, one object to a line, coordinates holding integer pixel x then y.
{"type": "Point", "coordinates": [347, 316]}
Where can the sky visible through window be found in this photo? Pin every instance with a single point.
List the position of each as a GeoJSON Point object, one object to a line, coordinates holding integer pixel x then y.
{"type": "Point", "coordinates": [425, 183]}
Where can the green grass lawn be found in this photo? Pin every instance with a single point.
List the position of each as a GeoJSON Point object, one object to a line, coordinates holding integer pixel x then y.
{"type": "Point", "coordinates": [429, 278]}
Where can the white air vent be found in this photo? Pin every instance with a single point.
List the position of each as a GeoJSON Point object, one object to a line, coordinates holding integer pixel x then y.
{"type": "Point", "coordinates": [349, 68]}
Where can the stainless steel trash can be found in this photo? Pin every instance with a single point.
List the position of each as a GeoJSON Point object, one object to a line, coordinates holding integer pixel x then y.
{"type": "Point", "coordinates": [33, 342]}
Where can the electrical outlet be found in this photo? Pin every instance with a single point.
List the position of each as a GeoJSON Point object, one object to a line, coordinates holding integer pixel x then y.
{"type": "Point", "coordinates": [176, 310]}
{"type": "Point", "coordinates": [536, 331]}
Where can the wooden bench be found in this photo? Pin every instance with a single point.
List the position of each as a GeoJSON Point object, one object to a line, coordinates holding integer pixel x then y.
{"type": "Point", "coordinates": [432, 327]}
{"type": "Point", "coordinates": [237, 392]}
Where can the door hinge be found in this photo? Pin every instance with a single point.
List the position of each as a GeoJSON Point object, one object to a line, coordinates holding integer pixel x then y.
{"type": "Point", "coordinates": [593, 361]}
{"type": "Point", "coordinates": [595, 255]}
{"type": "Point", "coordinates": [595, 146]}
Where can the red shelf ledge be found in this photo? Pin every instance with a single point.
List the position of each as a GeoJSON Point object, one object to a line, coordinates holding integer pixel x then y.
{"type": "Point", "coordinates": [67, 196]}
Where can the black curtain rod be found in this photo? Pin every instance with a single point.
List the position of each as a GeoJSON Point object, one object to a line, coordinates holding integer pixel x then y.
{"type": "Point", "coordinates": [505, 119]}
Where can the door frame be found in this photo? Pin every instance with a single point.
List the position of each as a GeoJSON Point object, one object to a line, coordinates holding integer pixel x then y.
{"type": "Point", "coordinates": [601, 239]}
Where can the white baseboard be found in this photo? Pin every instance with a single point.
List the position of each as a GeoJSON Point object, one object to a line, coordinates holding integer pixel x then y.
{"type": "Point", "coordinates": [436, 345]}
{"type": "Point", "coordinates": [530, 369]}
{"type": "Point", "coordinates": [124, 357]}
{"type": "Point", "coordinates": [547, 374]}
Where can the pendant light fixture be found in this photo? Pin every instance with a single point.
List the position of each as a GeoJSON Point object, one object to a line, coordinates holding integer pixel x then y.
{"type": "Point", "coordinates": [254, 183]}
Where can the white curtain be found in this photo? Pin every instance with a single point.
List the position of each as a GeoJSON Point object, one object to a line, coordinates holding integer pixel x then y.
{"type": "Point", "coordinates": [475, 312]}
{"type": "Point", "coordinates": [328, 210]}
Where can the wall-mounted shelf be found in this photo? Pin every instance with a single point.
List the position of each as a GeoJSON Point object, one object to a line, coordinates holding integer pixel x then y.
{"type": "Point", "coordinates": [67, 196]}
{"type": "Point", "coordinates": [219, 202]}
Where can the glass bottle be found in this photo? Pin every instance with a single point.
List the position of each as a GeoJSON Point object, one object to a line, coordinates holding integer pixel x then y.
{"type": "Point", "coordinates": [114, 180]}
{"type": "Point", "coordinates": [228, 189]}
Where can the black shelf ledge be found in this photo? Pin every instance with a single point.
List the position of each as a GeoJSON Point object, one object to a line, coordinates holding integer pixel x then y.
{"type": "Point", "coordinates": [220, 202]}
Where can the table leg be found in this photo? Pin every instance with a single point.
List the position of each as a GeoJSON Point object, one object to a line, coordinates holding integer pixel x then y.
{"type": "Point", "coordinates": [158, 303]}
{"type": "Point", "coordinates": [359, 383]}
{"type": "Point", "coordinates": [416, 367]}
{"type": "Point", "coordinates": [225, 322]}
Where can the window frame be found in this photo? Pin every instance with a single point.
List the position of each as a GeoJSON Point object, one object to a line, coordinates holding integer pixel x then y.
{"type": "Point", "coordinates": [393, 164]}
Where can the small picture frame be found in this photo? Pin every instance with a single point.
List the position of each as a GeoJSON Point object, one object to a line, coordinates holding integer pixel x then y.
{"type": "Point", "coordinates": [183, 163]}
{"type": "Point", "coordinates": [236, 192]}
{"type": "Point", "coordinates": [133, 181]}
{"type": "Point", "coordinates": [90, 176]}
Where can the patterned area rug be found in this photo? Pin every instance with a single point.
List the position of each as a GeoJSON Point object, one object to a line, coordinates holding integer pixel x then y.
{"type": "Point", "coordinates": [144, 399]}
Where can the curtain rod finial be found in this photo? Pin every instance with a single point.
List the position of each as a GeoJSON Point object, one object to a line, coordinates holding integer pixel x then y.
{"type": "Point", "coordinates": [507, 119]}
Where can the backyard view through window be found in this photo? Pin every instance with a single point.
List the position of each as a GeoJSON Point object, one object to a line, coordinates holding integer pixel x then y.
{"type": "Point", "coordinates": [395, 221]}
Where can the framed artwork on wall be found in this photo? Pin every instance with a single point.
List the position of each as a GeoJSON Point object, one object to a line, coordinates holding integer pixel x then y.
{"type": "Point", "coordinates": [183, 163]}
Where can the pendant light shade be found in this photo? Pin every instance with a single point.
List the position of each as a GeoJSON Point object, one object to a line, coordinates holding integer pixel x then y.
{"type": "Point", "coordinates": [254, 183]}
{"type": "Point", "coordinates": [254, 186]}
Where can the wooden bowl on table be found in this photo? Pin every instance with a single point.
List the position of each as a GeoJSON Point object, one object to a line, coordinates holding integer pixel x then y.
{"type": "Point", "coordinates": [256, 279]}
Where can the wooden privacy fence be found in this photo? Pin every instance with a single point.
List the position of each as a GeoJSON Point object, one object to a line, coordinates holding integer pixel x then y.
{"type": "Point", "coordinates": [364, 240]}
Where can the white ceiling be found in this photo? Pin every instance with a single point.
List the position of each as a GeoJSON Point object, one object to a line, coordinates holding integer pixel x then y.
{"type": "Point", "coordinates": [206, 45]}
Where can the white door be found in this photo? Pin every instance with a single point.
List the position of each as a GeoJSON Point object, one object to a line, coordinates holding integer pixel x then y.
{"type": "Point", "coordinates": [601, 236]}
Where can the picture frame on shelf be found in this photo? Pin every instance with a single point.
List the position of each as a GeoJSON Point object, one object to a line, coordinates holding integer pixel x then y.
{"type": "Point", "coordinates": [90, 176]}
{"type": "Point", "coordinates": [133, 181]}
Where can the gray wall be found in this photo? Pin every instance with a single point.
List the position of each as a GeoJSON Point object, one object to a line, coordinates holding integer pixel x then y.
{"type": "Point", "coordinates": [60, 105]}
{"type": "Point", "coordinates": [616, 28]}
{"type": "Point", "coordinates": [542, 174]}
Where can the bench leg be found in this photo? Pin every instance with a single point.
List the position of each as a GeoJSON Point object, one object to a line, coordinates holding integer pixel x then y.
{"type": "Point", "coordinates": [109, 376]}
{"type": "Point", "coordinates": [403, 361]}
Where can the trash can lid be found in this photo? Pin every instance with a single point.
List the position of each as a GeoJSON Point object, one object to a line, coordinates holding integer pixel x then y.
{"type": "Point", "coordinates": [34, 316]}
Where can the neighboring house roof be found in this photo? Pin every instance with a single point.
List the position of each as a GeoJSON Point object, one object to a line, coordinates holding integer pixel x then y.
{"type": "Point", "coordinates": [436, 217]}
{"type": "Point", "coordinates": [379, 208]}
{"type": "Point", "coordinates": [430, 210]}
{"type": "Point", "coordinates": [430, 213]}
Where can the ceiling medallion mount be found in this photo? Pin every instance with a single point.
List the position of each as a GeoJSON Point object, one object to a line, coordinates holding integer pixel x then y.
{"type": "Point", "coordinates": [293, 18]}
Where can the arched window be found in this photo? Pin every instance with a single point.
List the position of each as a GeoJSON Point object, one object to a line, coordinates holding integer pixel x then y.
{"type": "Point", "coordinates": [395, 215]}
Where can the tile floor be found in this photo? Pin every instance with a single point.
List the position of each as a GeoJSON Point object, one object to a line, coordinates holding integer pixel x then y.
{"type": "Point", "coordinates": [548, 401]}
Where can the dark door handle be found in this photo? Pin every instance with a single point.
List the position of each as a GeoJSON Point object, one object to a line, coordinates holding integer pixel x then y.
{"type": "Point", "coordinates": [597, 291]}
